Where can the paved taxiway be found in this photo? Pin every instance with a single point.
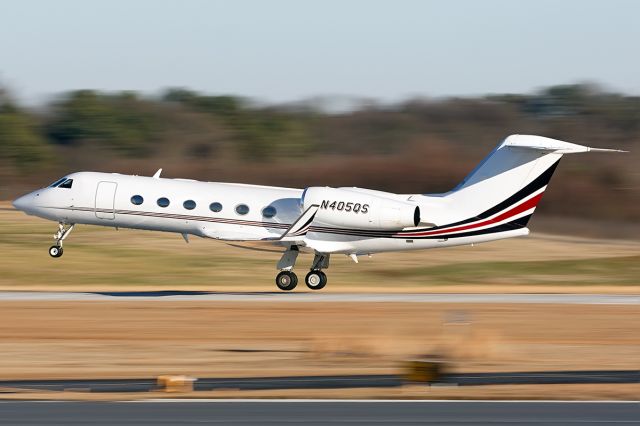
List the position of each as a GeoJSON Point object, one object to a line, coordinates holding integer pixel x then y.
{"type": "Point", "coordinates": [302, 296]}
{"type": "Point", "coordinates": [310, 413]}
{"type": "Point", "coordinates": [332, 382]}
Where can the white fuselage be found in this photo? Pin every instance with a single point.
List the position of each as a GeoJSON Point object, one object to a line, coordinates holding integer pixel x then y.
{"type": "Point", "coordinates": [106, 199]}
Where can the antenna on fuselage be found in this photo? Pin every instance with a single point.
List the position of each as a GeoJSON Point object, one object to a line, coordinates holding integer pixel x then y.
{"type": "Point", "coordinates": [157, 174]}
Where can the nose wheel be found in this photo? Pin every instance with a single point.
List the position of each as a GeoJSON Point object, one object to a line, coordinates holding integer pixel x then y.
{"type": "Point", "coordinates": [63, 232]}
{"type": "Point", "coordinates": [55, 251]}
{"type": "Point", "coordinates": [316, 279]}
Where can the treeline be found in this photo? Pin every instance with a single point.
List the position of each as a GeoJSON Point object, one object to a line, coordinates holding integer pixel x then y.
{"type": "Point", "coordinates": [413, 146]}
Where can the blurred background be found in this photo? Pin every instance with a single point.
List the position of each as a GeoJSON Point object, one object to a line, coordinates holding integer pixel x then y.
{"type": "Point", "coordinates": [403, 96]}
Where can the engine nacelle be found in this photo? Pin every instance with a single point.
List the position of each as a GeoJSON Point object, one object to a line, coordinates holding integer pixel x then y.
{"type": "Point", "coordinates": [344, 208]}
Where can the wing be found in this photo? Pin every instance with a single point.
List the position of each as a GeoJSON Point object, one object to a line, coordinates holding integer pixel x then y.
{"type": "Point", "coordinates": [300, 227]}
{"type": "Point", "coordinates": [294, 235]}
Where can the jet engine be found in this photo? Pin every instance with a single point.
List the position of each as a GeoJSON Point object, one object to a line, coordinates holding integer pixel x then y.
{"type": "Point", "coordinates": [347, 208]}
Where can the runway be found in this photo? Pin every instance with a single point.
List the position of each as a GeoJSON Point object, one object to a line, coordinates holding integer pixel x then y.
{"type": "Point", "coordinates": [302, 296]}
{"type": "Point", "coordinates": [331, 382]}
{"type": "Point", "coordinates": [322, 412]}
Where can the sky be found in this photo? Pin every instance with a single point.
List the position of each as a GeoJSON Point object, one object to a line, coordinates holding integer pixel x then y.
{"type": "Point", "coordinates": [287, 50]}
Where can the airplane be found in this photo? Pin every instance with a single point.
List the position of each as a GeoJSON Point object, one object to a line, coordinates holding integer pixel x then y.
{"type": "Point", "coordinates": [495, 201]}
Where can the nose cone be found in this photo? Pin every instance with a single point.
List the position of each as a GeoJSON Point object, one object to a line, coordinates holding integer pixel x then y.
{"type": "Point", "coordinates": [23, 203]}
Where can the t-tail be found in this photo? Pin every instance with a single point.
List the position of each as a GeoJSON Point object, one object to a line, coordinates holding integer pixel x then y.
{"type": "Point", "coordinates": [502, 192]}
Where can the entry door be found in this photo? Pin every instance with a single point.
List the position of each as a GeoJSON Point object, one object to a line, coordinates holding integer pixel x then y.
{"type": "Point", "coordinates": [105, 200]}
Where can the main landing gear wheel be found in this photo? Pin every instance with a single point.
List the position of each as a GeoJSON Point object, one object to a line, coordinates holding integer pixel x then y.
{"type": "Point", "coordinates": [286, 280]}
{"type": "Point", "coordinates": [55, 251]}
{"type": "Point", "coordinates": [316, 280]}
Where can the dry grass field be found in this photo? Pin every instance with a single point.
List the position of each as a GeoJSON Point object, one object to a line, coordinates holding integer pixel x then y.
{"type": "Point", "coordinates": [102, 258]}
{"type": "Point", "coordinates": [226, 339]}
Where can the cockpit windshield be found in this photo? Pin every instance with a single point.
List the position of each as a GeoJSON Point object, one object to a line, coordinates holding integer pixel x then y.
{"type": "Point", "coordinates": [62, 183]}
{"type": "Point", "coordinates": [58, 182]}
{"type": "Point", "coordinates": [66, 184]}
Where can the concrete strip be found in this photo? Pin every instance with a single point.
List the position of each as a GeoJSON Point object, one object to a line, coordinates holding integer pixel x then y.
{"type": "Point", "coordinates": [312, 413]}
{"type": "Point", "coordinates": [173, 296]}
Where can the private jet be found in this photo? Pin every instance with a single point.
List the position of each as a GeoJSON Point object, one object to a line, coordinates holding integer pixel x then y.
{"type": "Point", "coordinates": [495, 201]}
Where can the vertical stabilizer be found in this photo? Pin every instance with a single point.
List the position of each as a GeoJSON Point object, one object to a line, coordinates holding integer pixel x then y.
{"type": "Point", "coordinates": [507, 185]}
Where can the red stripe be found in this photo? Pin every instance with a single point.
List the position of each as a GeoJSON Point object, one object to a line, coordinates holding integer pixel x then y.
{"type": "Point", "coordinates": [530, 203]}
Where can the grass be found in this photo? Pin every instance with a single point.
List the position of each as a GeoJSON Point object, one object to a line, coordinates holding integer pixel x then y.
{"type": "Point", "coordinates": [617, 270]}
{"type": "Point", "coordinates": [102, 257]}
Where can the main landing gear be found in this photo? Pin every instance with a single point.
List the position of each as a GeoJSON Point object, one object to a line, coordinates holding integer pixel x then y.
{"type": "Point", "coordinates": [287, 280]}
{"type": "Point", "coordinates": [316, 279]}
{"type": "Point", "coordinates": [63, 231]}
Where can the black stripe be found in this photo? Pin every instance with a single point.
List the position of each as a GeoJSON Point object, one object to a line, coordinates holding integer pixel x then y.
{"type": "Point", "coordinates": [532, 187]}
{"type": "Point", "coordinates": [305, 225]}
{"type": "Point", "coordinates": [309, 221]}
{"type": "Point", "coordinates": [362, 232]}
{"type": "Point", "coordinates": [186, 217]}
{"type": "Point", "coordinates": [509, 226]}
{"type": "Point", "coordinates": [537, 183]}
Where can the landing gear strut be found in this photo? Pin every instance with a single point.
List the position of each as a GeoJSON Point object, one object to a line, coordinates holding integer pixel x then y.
{"type": "Point", "coordinates": [316, 279]}
{"type": "Point", "coordinates": [63, 232]}
{"type": "Point", "coordinates": [287, 280]}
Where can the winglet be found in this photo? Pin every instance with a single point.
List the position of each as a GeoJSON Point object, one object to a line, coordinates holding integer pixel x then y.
{"type": "Point", "coordinates": [157, 174]}
{"type": "Point", "coordinates": [301, 226]}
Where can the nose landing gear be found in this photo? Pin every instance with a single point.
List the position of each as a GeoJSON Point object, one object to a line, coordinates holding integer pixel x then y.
{"type": "Point", "coordinates": [55, 251]}
{"type": "Point", "coordinates": [63, 231]}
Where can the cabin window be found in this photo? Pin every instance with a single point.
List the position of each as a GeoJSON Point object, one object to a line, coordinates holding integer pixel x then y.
{"type": "Point", "coordinates": [215, 207]}
{"type": "Point", "coordinates": [66, 184]}
{"type": "Point", "coordinates": [189, 204]}
{"type": "Point", "coordinates": [242, 209]}
{"type": "Point", "coordinates": [269, 212]}
{"type": "Point", "coordinates": [137, 200]}
{"type": "Point", "coordinates": [163, 202]}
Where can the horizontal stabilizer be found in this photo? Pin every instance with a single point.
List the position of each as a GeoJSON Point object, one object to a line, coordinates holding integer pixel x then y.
{"type": "Point", "coordinates": [541, 143]}
{"type": "Point", "coordinates": [606, 150]}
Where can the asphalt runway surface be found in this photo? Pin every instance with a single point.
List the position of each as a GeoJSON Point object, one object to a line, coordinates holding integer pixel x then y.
{"type": "Point", "coordinates": [303, 296]}
{"type": "Point", "coordinates": [321, 412]}
{"type": "Point", "coordinates": [331, 382]}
